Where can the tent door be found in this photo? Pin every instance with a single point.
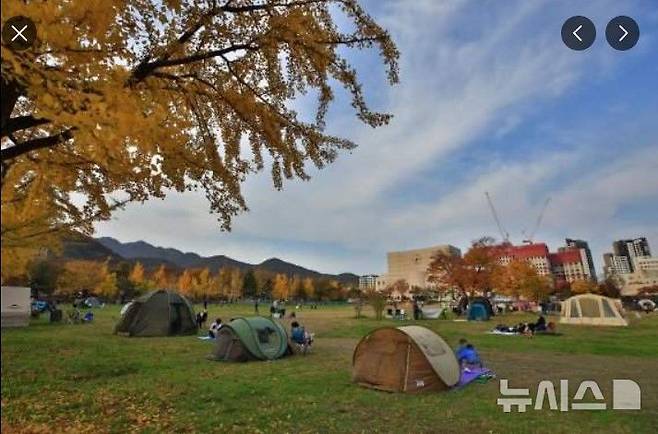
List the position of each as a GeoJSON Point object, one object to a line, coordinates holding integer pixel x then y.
{"type": "Point", "coordinates": [176, 323]}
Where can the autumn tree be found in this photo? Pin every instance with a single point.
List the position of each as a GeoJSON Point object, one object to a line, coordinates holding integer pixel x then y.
{"type": "Point", "coordinates": [235, 283]}
{"type": "Point", "coordinates": [223, 282]}
{"type": "Point", "coordinates": [120, 102]}
{"type": "Point", "coordinates": [107, 286]}
{"type": "Point", "coordinates": [449, 273]}
{"type": "Point", "coordinates": [202, 283]}
{"type": "Point", "coordinates": [78, 275]}
{"type": "Point", "coordinates": [308, 288]}
{"type": "Point", "coordinates": [520, 279]}
{"type": "Point", "coordinates": [137, 278]}
{"type": "Point", "coordinates": [186, 283]}
{"type": "Point", "coordinates": [474, 272]}
{"type": "Point", "coordinates": [295, 287]}
{"type": "Point", "coordinates": [281, 288]}
{"type": "Point", "coordinates": [611, 286]}
{"type": "Point", "coordinates": [583, 287]}
{"type": "Point", "coordinates": [378, 299]}
{"type": "Point", "coordinates": [161, 278]}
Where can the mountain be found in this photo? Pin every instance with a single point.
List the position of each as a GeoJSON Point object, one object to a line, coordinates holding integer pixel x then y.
{"type": "Point", "coordinates": [152, 256]}
{"type": "Point", "coordinates": [78, 246]}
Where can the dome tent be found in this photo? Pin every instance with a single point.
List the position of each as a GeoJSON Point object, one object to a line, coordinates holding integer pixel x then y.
{"type": "Point", "coordinates": [158, 313]}
{"type": "Point", "coordinates": [592, 309]}
{"type": "Point", "coordinates": [252, 338]}
{"type": "Point", "coordinates": [408, 359]}
{"type": "Point", "coordinates": [480, 309]}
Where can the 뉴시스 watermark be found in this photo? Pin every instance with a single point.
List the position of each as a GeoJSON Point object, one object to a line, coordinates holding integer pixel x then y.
{"type": "Point", "coordinates": [626, 395]}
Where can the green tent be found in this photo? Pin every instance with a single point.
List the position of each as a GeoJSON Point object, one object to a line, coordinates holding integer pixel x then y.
{"type": "Point", "coordinates": [253, 338]}
{"type": "Point", "coordinates": [158, 313]}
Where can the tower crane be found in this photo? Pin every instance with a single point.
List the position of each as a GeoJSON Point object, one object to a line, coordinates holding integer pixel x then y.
{"type": "Point", "coordinates": [503, 233]}
{"type": "Point", "coordinates": [531, 237]}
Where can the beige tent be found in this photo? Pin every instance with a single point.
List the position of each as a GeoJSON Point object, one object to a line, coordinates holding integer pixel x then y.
{"type": "Point", "coordinates": [16, 306]}
{"type": "Point", "coordinates": [404, 359]}
{"type": "Point", "coordinates": [592, 309]}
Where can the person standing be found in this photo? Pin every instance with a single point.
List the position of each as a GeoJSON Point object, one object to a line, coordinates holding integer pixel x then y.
{"type": "Point", "coordinates": [256, 306]}
{"type": "Point", "coordinates": [417, 310]}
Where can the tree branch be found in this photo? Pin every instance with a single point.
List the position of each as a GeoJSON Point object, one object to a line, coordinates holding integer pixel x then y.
{"type": "Point", "coordinates": [21, 123]}
{"type": "Point", "coordinates": [145, 69]}
{"type": "Point", "coordinates": [36, 144]}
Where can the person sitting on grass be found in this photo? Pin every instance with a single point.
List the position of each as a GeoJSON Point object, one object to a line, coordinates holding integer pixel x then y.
{"type": "Point", "coordinates": [299, 336]}
{"type": "Point", "coordinates": [214, 328]}
{"type": "Point", "coordinates": [540, 325]}
{"type": "Point", "coordinates": [467, 356]}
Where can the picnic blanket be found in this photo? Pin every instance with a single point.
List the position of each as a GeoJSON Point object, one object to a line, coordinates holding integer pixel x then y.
{"type": "Point", "coordinates": [470, 375]}
{"type": "Point", "coordinates": [205, 338]}
{"type": "Point", "coordinates": [504, 333]}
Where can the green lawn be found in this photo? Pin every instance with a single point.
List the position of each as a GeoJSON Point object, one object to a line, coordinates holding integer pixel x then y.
{"type": "Point", "coordinates": [58, 378]}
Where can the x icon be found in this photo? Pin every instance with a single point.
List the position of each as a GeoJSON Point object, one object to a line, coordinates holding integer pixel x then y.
{"type": "Point", "coordinates": [19, 33]}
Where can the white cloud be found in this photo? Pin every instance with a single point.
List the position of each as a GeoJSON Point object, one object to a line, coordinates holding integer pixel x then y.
{"type": "Point", "coordinates": [468, 72]}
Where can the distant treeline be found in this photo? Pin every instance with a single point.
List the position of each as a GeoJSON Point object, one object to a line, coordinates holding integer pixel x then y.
{"type": "Point", "coordinates": [115, 281]}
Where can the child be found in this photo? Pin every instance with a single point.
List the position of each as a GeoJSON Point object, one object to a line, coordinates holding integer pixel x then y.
{"type": "Point", "coordinates": [467, 355]}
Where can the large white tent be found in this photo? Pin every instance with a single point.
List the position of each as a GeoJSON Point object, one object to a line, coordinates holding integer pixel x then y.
{"type": "Point", "coordinates": [592, 309]}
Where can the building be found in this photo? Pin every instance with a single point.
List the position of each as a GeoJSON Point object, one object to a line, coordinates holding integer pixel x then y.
{"type": "Point", "coordinates": [645, 275]}
{"type": "Point", "coordinates": [368, 281]}
{"type": "Point", "coordinates": [570, 265]}
{"type": "Point", "coordinates": [646, 264]}
{"type": "Point", "coordinates": [411, 266]}
{"type": "Point", "coordinates": [631, 249]}
{"type": "Point", "coordinates": [536, 254]}
{"type": "Point", "coordinates": [584, 247]}
{"type": "Point", "coordinates": [613, 264]}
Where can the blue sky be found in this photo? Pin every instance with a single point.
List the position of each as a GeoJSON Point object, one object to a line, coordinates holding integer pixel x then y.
{"type": "Point", "coordinates": [490, 100]}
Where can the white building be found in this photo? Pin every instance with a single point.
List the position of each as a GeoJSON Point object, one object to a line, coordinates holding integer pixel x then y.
{"type": "Point", "coordinates": [368, 281]}
{"type": "Point", "coordinates": [411, 267]}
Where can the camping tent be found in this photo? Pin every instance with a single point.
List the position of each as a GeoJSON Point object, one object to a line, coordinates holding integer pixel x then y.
{"type": "Point", "coordinates": [592, 309]}
{"type": "Point", "coordinates": [16, 306]}
{"type": "Point", "coordinates": [92, 302]}
{"type": "Point", "coordinates": [252, 338]}
{"type": "Point", "coordinates": [158, 313]}
{"type": "Point", "coordinates": [480, 309]}
{"type": "Point", "coordinates": [432, 312]}
{"type": "Point", "coordinates": [404, 359]}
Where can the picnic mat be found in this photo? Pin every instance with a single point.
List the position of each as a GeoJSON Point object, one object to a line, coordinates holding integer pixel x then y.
{"type": "Point", "coordinates": [472, 374]}
{"type": "Point", "coordinates": [205, 338]}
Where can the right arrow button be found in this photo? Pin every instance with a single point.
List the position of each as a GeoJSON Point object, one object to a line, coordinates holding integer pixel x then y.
{"type": "Point", "coordinates": [622, 33]}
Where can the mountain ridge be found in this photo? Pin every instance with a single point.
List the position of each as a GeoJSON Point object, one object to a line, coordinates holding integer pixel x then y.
{"type": "Point", "coordinates": [152, 255]}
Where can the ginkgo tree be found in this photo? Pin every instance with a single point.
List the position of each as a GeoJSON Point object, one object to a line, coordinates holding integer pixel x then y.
{"type": "Point", "coordinates": [125, 100]}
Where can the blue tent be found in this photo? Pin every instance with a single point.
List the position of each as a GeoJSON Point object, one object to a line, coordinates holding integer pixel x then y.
{"type": "Point", "coordinates": [479, 309]}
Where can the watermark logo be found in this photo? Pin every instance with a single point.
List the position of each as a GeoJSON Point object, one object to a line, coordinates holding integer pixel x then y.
{"type": "Point", "coordinates": [626, 395]}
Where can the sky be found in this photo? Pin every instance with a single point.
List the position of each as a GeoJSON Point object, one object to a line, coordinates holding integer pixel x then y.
{"type": "Point", "coordinates": [490, 100]}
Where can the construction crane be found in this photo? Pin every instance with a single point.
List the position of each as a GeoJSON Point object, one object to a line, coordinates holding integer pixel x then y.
{"type": "Point", "coordinates": [531, 237]}
{"type": "Point", "coordinates": [503, 232]}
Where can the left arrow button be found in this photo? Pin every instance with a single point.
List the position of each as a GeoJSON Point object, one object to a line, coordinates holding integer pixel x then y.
{"type": "Point", "coordinates": [578, 33]}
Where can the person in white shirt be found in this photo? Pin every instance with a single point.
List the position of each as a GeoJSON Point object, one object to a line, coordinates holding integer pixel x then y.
{"type": "Point", "coordinates": [214, 328]}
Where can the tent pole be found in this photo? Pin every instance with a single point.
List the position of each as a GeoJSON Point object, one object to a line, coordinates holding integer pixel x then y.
{"type": "Point", "coordinates": [406, 370]}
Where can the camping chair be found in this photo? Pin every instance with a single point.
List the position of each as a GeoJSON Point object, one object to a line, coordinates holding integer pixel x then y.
{"type": "Point", "coordinates": [302, 344]}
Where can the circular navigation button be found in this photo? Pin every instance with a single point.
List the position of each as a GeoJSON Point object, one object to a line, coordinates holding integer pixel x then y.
{"type": "Point", "coordinates": [578, 33]}
{"type": "Point", "coordinates": [622, 33]}
{"type": "Point", "coordinates": [19, 33]}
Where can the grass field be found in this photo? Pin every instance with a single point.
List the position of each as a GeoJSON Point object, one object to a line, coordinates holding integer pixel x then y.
{"type": "Point", "coordinates": [82, 378]}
